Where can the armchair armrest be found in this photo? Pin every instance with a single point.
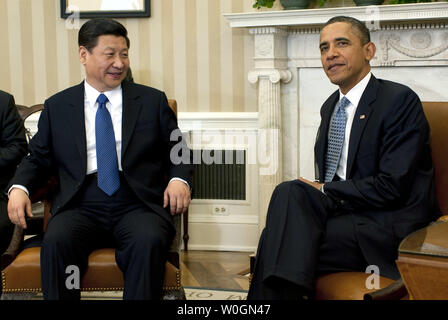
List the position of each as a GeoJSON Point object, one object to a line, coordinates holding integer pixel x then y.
{"type": "Point", "coordinates": [35, 226]}
{"type": "Point", "coordinates": [14, 247]}
{"type": "Point", "coordinates": [395, 291]}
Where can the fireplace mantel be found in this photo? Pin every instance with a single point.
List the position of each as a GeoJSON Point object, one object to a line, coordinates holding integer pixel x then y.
{"type": "Point", "coordinates": [405, 13]}
{"type": "Point", "coordinates": [411, 48]}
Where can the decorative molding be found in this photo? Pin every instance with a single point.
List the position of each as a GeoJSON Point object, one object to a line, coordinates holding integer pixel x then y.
{"type": "Point", "coordinates": [412, 26]}
{"type": "Point", "coordinates": [381, 27]}
{"type": "Point", "coordinates": [209, 247]}
{"type": "Point", "coordinates": [435, 11]}
{"type": "Point", "coordinates": [274, 75]}
{"type": "Point", "coordinates": [191, 121]}
{"type": "Point", "coordinates": [269, 30]}
{"type": "Point", "coordinates": [230, 219]}
{"type": "Point", "coordinates": [420, 42]}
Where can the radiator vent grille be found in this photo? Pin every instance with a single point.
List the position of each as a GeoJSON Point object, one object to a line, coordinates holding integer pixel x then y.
{"type": "Point", "coordinates": [221, 175]}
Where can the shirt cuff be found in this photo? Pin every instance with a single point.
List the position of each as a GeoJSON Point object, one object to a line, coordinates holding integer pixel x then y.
{"type": "Point", "coordinates": [322, 189]}
{"type": "Point", "coordinates": [18, 186]}
{"type": "Point", "coordinates": [179, 179]}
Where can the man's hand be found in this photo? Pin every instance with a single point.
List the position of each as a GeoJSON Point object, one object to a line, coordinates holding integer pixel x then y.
{"type": "Point", "coordinates": [177, 195]}
{"type": "Point", "coordinates": [19, 203]}
{"type": "Point", "coordinates": [314, 184]}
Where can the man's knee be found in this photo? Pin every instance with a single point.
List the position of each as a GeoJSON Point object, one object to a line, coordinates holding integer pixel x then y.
{"type": "Point", "coordinates": [291, 187]}
{"type": "Point", "coordinates": [56, 240]}
{"type": "Point", "coordinates": [286, 186]}
{"type": "Point", "coordinates": [148, 240]}
{"type": "Point", "coordinates": [60, 234]}
{"type": "Point", "coordinates": [145, 231]}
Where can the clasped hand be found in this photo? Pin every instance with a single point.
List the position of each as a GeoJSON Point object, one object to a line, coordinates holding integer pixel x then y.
{"type": "Point", "coordinates": [315, 184]}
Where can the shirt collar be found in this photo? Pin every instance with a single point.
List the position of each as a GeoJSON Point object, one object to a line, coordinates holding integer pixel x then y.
{"type": "Point", "coordinates": [91, 94]}
{"type": "Point", "coordinates": [354, 95]}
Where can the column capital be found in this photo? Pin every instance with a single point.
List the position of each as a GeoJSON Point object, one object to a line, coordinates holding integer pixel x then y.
{"type": "Point", "coordinates": [274, 75]}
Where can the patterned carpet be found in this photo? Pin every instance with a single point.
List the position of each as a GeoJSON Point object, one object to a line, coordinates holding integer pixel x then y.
{"type": "Point", "coordinates": [191, 293]}
{"type": "Point", "coordinates": [214, 294]}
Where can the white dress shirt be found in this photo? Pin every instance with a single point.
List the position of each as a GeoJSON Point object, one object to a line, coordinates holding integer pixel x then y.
{"type": "Point", "coordinates": [115, 107]}
{"type": "Point", "coordinates": [354, 95]}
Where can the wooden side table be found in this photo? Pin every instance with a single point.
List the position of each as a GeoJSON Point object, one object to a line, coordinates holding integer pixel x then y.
{"type": "Point", "coordinates": [423, 262]}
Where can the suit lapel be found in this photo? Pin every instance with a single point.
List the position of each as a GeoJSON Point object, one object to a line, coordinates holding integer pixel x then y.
{"type": "Point", "coordinates": [362, 115]}
{"type": "Point", "coordinates": [131, 111]}
{"type": "Point", "coordinates": [77, 121]}
{"type": "Point", "coordinates": [322, 136]}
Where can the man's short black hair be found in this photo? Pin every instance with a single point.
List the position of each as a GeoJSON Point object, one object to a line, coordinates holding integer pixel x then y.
{"type": "Point", "coordinates": [92, 29]}
{"type": "Point", "coordinates": [359, 27]}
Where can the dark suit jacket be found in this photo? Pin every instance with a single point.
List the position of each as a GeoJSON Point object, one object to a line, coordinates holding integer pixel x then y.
{"type": "Point", "coordinates": [13, 144]}
{"type": "Point", "coordinates": [389, 187]}
{"type": "Point", "coordinates": [59, 146]}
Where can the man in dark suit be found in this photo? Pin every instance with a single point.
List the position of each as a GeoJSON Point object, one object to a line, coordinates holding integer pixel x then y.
{"type": "Point", "coordinates": [109, 142]}
{"type": "Point", "coordinates": [375, 178]}
{"type": "Point", "coordinates": [13, 147]}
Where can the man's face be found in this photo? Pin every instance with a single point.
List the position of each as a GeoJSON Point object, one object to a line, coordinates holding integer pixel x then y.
{"type": "Point", "coordinates": [107, 63]}
{"type": "Point", "coordinates": [344, 59]}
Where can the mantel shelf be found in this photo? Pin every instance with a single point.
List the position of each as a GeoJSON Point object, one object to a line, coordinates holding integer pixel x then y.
{"type": "Point", "coordinates": [406, 13]}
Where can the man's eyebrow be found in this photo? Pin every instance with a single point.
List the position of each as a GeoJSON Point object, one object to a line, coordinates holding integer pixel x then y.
{"type": "Point", "coordinates": [323, 44]}
{"type": "Point", "coordinates": [342, 38]}
{"type": "Point", "coordinates": [115, 49]}
{"type": "Point", "coordinates": [337, 39]}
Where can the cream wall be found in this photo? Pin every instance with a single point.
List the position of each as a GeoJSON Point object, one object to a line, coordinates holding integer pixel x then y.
{"type": "Point", "coordinates": [185, 48]}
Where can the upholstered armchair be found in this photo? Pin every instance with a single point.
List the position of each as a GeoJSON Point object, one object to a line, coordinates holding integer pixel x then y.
{"type": "Point", "coordinates": [20, 264]}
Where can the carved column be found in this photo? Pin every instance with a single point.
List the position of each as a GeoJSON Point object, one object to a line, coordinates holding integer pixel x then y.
{"type": "Point", "coordinates": [270, 72]}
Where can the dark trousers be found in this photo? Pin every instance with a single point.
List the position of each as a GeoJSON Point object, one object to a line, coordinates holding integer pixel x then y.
{"type": "Point", "coordinates": [6, 227]}
{"type": "Point", "coordinates": [305, 235]}
{"type": "Point", "coordinates": [141, 238]}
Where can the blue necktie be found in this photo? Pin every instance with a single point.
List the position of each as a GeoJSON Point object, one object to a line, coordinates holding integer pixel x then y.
{"type": "Point", "coordinates": [335, 139]}
{"type": "Point", "coordinates": [106, 152]}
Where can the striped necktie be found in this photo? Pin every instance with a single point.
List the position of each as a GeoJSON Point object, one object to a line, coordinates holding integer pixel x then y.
{"type": "Point", "coordinates": [335, 139]}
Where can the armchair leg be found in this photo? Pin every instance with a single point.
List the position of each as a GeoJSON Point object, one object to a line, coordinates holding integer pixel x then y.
{"type": "Point", "coordinates": [186, 237]}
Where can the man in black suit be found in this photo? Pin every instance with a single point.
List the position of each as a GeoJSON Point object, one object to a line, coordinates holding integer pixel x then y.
{"type": "Point", "coordinates": [375, 178]}
{"type": "Point", "coordinates": [109, 143]}
{"type": "Point", "coordinates": [13, 147]}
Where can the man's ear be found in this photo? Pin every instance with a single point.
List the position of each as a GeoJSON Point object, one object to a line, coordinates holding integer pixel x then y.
{"type": "Point", "coordinates": [369, 50]}
{"type": "Point", "coordinates": [82, 52]}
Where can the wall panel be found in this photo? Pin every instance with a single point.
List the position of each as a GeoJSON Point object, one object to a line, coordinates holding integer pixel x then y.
{"type": "Point", "coordinates": [186, 48]}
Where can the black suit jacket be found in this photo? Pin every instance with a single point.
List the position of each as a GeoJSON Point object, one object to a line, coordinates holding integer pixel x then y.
{"type": "Point", "coordinates": [389, 187]}
{"type": "Point", "coordinates": [59, 146]}
{"type": "Point", "coordinates": [13, 144]}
